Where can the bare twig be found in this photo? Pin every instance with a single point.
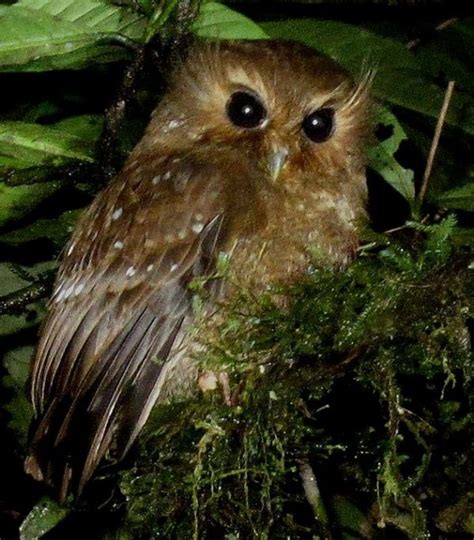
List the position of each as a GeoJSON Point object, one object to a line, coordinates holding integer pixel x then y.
{"type": "Point", "coordinates": [435, 142]}
{"type": "Point", "coordinates": [16, 303]}
{"type": "Point", "coordinates": [313, 496]}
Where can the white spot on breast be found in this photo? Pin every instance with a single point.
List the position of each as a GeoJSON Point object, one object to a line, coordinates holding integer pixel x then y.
{"type": "Point", "coordinates": [130, 271]}
{"type": "Point", "coordinates": [344, 211]}
{"type": "Point", "coordinates": [197, 227]}
{"type": "Point", "coordinates": [118, 244]}
{"type": "Point", "coordinates": [325, 200]}
{"type": "Point", "coordinates": [71, 249]}
{"type": "Point", "coordinates": [174, 267]}
{"type": "Point", "coordinates": [173, 124]}
{"type": "Point", "coordinates": [199, 217]}
{"type": "Point", "coordinates": [182, 234]}
{"type": "Point", "coordinates": [156, 179]}
{"type": "Point", "coordinates": [149, 268]}
{"type": "Point", "coordinates": [167, 175]}
{"type": "Point", "coordinates": [116, 214]}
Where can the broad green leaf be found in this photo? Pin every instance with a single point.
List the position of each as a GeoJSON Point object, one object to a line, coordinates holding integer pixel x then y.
{"type": "Point", "coordinates": [10, 324]}
{"type": "Point", "coordinates": [57, 230]}
{"type": "Point", "coordinates": [461, 198]}
{"type": "Point", "coordinates": [220, 22]}
{"type": "Point", "coordinates": [383, 161]}
{"type": "Point", "coordinates": [19, 409]}
{"type": "Point", "coordinates": [352, 46]}
{"type": "Point", "coordinates": [11, 283]}
{"type": "Point", "coordinates": [17, 363]}
{"type": "Point", "coordinates": [350, 519]}
{"type": "Point", "coordinates": [27, 144]}
{"type": "Point", "coordinates": [449, 55]}
{"type": "Point", "coordinates": [24, 145]}
{"type": "Point", "coordinates": [44, 516]}
{"type": "Point", "coordinates": [400, 78]}
{"type": "Point", "coordinates": [87, 127]}
{"type": "Point", "coordinates": [42, 35]}
{"type": "Point", "coordinates": [17, 202]}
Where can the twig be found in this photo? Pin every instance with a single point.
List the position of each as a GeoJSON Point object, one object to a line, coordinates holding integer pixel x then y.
{"type": "Point", "coordinates": [435, 142]}
{"type": "Point", "coordinates": [16, 303]}
{"type": "Point", "coordinates": [313, 496]}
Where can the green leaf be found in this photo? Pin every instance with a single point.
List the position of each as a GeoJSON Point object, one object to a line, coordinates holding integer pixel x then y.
{"type": "Point", "coordinates": [42, 35]}
{"type": "Point", "coordinates": [17, 364]}
{"type": "Point", "coordinates": [26, 144]}
{"type": "Point", "coordinates": [350, 519]}
{"type": "Point", "coordinates": [57, 230]}
{"type": "Point", "coordinates": [44, 516]}
{"type": "Point", "coordinates": [17, 202]}
{"type": "Point", "coordinates": [448, 55]}
{"type": "Point", "coordinates": [382, 158]}
{"type": "Point", "coordinates": [351, 46]}
{"type": "Point", "coordinates": [217, 21]}
{"type": "Point", "coordinates": [19, 410]}
{"type": "Point", "coordinates": [11, 283]}
{"type": "Point", "coordinates": [461, 198]}
{"type": "Point", "coordinates": [400, 78]}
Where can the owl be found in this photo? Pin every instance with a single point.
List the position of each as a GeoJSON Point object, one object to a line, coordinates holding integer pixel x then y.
{"type": "Point", "coordinates": [256, 152]}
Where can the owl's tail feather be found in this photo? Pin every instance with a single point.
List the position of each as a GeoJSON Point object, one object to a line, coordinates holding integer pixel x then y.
{"type": "Point", "coordinates": [77, 430]}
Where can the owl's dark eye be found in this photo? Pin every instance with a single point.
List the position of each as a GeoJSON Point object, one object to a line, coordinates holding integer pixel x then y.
{"type": "Point", "coordinates": [245, 110]}
{"type": "Point", "coordinates": [319, 125]}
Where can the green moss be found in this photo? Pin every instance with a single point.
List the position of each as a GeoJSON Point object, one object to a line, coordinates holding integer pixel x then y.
{"type": "Point", "coordinates": [364, 375]}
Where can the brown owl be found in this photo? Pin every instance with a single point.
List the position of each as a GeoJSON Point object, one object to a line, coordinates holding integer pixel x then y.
{"type": "Point", "coordinates": [256, 151]}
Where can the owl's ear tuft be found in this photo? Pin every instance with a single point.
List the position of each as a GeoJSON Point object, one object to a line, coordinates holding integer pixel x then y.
{"type": "Point", "coordinates": [359, 99]}
{"type": "Point", "coordinates": [356, 111]}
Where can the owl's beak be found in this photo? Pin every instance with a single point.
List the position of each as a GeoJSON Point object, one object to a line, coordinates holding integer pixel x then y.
{"type": "Point", "coordinates": [277, 160]}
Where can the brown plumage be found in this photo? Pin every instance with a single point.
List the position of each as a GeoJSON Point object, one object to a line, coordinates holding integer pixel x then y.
{"type": "Point", "coordinates": [257, 150]}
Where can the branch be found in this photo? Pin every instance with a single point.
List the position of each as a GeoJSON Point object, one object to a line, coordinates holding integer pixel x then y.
{"type": "Point", "coordinates": [15, 303]}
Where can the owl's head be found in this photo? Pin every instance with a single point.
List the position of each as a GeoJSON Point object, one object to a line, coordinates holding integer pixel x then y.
{"type": "Point", "coordinates": [280, 104]}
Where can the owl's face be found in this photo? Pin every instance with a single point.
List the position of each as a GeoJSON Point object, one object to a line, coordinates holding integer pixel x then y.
{"type": "Point", "coordinates": [278, 104]}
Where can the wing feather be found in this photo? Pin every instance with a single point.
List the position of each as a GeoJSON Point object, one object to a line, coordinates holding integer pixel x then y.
{"type": "Point", "coordinates": [119, 316]}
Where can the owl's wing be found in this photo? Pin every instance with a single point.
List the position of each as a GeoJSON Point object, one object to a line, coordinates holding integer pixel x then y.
{"type": "Point", "coordinates": [119, 314]}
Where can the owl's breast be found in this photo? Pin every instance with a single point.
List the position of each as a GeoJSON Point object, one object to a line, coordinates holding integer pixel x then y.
{"type": "Point", "coordinates": [296, 232]}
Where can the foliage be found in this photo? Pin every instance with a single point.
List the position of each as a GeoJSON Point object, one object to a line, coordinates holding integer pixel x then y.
{"type": "Point", "coordinates": [365, 375]}
{"type": "Point", "coordinates": [64, 34]}
{"type": "Point", "coordinates": [389, 335]}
